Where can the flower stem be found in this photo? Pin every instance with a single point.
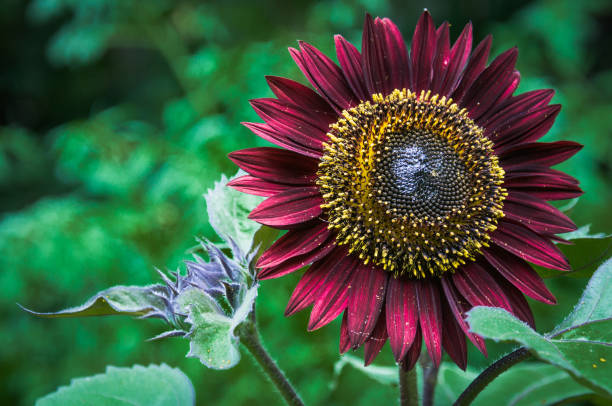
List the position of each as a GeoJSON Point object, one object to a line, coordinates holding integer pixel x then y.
{"type": "Point", "coordinates": [489, 374]}
{"type": "Point", "coordinates": [249, 337]}
{"type": "Point", "coordinates": [430, 378]}
{"type": "Point", "coordinates": [408, 387]}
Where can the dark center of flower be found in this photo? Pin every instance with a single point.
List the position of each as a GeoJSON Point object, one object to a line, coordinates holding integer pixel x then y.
{"type": "Point", "coordinates": [420, 173]}
{"type": "Point", "coordinates": [411, 184]}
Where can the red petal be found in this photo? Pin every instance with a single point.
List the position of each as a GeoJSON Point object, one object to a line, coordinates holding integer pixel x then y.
{"type": "Point", "coordinates": [527, 127]}
{"type": "Point", "coordinates": [376, 341]}
{"type": "Point", "coordinates": [302, 96]}
{"type": "Point", "coordinates": [542, 182]}
{"type": "Point", "coordinates": [255, 186]}
{"type": "Point", "coordinates": [295, 206]}
{"type": "Point", "coordinates": [520, 307]}
{"type": "Point", "coordinates": [287, 117]}
{"type": "Point", "coordinates": [332, 297]}
{"type": "Point", "coordinates": [303, 145]}
{"type": "Point", "coordinates": [345, 343]}
{"type": "Point", "coordinates": [494, 85]}
{"type": "Point", "coordinates": [441, 58]}
{"type": "Point", "coordinates": [414, 352]}
{"type": "Point", "coordinates": [515, 106]}
{"type": "Point", "coordinates": [536, 214]}
{"type": "Point", "coordinates": [519, 273]}
{"type": "Point", "coordinates": [459, 306]}
{"type": "Point", "coordinates": [453, 339]}
{"type": "Point", "coordinates": [402, 315]}
{"type": "Point", "coordinates": [384, 56]}
{"type": "Point", "coordinates": [308, 287]}
{"type": "Point", "coordinates": [298, 262]}
{"type": "Point", "coordinates": [350, 62]}
{"type": "Point", "coordinates": [325, 76]}
{"type": "Point", "coordinates": [479, 287]}
{"type": "Point", "coordinates": [538, 153]}
{"type": "Point", "coordinates": [294, 243]}
{"type": "Point", "coordinates": [422, 53]}
{"type": "Point", "coordinates": [528, 245]}
{"type": "Point", "coordinates": [276, 165]}
{"type": "Point", "coordinates": [365, 302]}
{"type": "Point", "coordinates": [476, 64]}
{"type": "Point", "coordinates": [430, 318]}
{"type": "Point", "coordinates": [459, 54]}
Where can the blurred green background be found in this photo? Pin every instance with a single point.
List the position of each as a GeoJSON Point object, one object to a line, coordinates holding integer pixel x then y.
{"type": "Point", "coordinates": [117, 115]}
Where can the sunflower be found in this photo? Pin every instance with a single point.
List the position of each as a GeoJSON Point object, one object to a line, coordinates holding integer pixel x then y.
{"type": "Point", "coordinates": [413, 185]}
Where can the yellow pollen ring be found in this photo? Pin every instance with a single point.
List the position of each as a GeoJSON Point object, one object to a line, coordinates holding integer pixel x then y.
{"type": "Point", "coordinates": [395, 230]}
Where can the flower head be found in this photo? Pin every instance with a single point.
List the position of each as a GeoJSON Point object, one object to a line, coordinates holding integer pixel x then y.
{"type": "Point", "coordinates": [413, 185]}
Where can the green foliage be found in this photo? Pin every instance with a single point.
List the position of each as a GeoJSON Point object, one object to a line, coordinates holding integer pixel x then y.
{"type": "Point", "coordinates": [214, 297]}
{"type": "Point", "coordinates": [585, 252]}
{"type": "Point", "coordinates": [137, 386]}
{"type": "Point", "coordinates": [581, 345]}
{"type": "Point", "coordinates": [228, 211]}
{"type": "Point", "coordinates": [383, 375]}
{"type": "Point", "coordinates": [527, 384]}
{"type": "Point", "coordinates": [119, 117]}
{"type": "Point", "coordinates": [118, 300]}
{"type": "Point", "coordinates": [211, 337]}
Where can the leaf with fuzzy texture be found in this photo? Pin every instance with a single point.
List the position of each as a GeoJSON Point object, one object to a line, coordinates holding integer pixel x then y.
{"type": "Point", "coordinates": [211, 336]}
{"type": "Point", "coordinates": [523, 385]}
{"type": "Point", "coordinates": [118, 300]}
{"type": "Point", "coordinates": [595, 303]}
{"type": "Point", "coordinates": [157, 385]}
{"type": "Point", "coordinates": [228, 211]}
{"type": "Point", "coordinates": [580, 345]}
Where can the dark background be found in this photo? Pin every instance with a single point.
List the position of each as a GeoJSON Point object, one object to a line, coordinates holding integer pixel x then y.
{"type": "Point", "coordinates": [116, 116]}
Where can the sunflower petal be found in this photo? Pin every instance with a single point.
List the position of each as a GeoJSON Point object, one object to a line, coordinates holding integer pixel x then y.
{"type": "Point", "coordinates": [325, 76]}
{"type": "Point", "coordinates": [276, 165]}
{"type": "Point", "coordinates": [333, 294]}
{"type": "Point", "coordinates": [255, 186]}
{"type": "Point", "coordinates": [402, 315]}
{"type": "Point", "coordinates": [295, 206]}
{"type": "Point", "coordinates": [422, 53]}
{"type": "Point", "coordinates": [350, 61]}
{"type": "Point", "coordinates": [365, 302]}
{"type": "Point", "coordinates": [376, 341]}
{"type": "Point", "coordinates": [519, 273]}
{"type": "Point", "coordinates": [475, 65]}
{"type": "Point", "coordinates": [529, 245]}
{"type": "Point", "coordinates": [430, 318]}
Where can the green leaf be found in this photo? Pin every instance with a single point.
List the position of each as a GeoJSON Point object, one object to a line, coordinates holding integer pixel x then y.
{"type": "Point", "coordinates": [228, 211]}
{"type": "Point", "coordinates": [157, 385]}
{"type": "Point", "coordinates": [580, 345]}
{"type": "Point", "coordinates": [595, 303]}
{"type": "Point", "coordinates": [452, 381]}
{"type": "Point", "coordinates": [382, 374]}
{"type": "Point", "coordinates": [585, 254]}
{"type": "Point", "coordinates": [531, 384]}
{"type": "Point", "coordinates": [129, 300]}
{"type": "Point", "coordinates": [586, 358]}
{"type": "Point", "coordinates": [212, 338]}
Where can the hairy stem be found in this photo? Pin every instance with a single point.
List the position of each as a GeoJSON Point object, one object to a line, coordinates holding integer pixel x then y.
{"type": "Point", "coordinates": [408, 387]}
{"type": "Point", "coordinates": [249, 337]}
{"type": "Point", "coordinates": [489, 374]}
{"type": "Point", "coordinates": [430, 378]}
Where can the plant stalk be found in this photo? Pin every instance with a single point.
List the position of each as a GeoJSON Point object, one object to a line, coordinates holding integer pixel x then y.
{"type": "Point", "coordinates": [249, 337]}
{"type": "Point", "coordinates": [409, 395]}
{"type": "Point", "coordinates": [489, 374]}
{"type": "Point", "coordinates": [430, 378]}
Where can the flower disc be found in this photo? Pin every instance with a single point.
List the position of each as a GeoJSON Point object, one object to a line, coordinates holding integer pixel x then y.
{"type": "Point", "coordinates": [411, 184]}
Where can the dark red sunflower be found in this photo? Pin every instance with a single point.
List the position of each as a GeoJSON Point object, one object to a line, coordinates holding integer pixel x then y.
{"type": "Point", "coordinates": [413, 185]}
